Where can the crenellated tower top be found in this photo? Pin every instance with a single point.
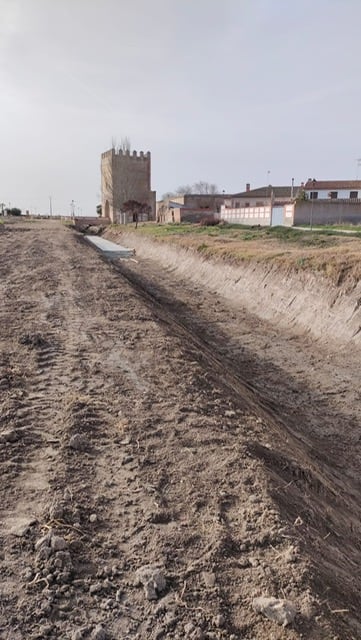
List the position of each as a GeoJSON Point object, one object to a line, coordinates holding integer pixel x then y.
{"type": "Point", "coordinates": [126, 154]}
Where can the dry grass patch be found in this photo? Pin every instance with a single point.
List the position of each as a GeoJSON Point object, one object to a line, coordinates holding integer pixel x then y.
{"type": "Point", "coordinates": [332, 254]}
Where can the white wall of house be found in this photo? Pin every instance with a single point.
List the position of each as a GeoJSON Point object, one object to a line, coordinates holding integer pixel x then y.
{"type": "Point", "coordinates": [246, 215]}
{"type": "Point", "coordinates": [324, 194]}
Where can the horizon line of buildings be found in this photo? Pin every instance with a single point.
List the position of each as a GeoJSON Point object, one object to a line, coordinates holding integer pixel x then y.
{"type": "Point", "coordinates": [126, 184]}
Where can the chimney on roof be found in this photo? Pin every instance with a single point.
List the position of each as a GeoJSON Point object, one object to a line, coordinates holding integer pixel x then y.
{"type": "Point", "coordinates": [248, 187]}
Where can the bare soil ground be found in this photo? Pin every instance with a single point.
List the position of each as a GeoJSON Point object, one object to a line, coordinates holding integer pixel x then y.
{"type": "Point", "coordinates": [144, 422]}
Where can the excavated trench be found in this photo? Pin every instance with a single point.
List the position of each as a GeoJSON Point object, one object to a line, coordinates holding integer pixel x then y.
{"type": "Point", "coordinates": [302, 388]}
{"type": "Point", "coordinates": [302, 301]}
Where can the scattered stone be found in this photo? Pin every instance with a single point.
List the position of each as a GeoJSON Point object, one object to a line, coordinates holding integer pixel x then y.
{"type": "Point", "coordinates": [254, 562]}
{"type": "Point", "coordinates": [63, 560]}
{"type": "Point", "coordinates": [229, 413]}
{"type": "Point", "coordinates": [170, 618]}
{"type": "Point", "coordinates": [166, 603]}
{"type": "Point", "coordinates": [209, 578]}
{"type": "Point", "coordinates": [63, 576]}
{"type": "Point", "coordinates": [10, 435]}
{"type": "Point", "coordinates": [45, 541]}
{"type": "Point", "coordinates": [93, 517]}
{"type": "Point", "coordinates": [244, 563]}
{"type": "Point", "coordinates": [290, 554]}
{"type": "Point", "coordinates": [79, 634]}
{"type": "Point", "coordinates": [100, 633]}
{"type": "Point", "coordinates": [78, 442]}
{"type": "Point", "coordinates": [219, 620]}
{"type": "Point", "coordinates": [152, 578]}
{"type": "Point", "coordinates": [28, 574]}
{"type": "Point", "coordinates": [44, 631]}
{"type": "Point", "coordinates": [281, 611]}
{"type": "Point", "coordinates": [58, 543]}
{"type": "Point", "coordinates": [21, 528]}
{"type": "Point", "coordinates": [57, 509]}
{"type": "Point", "coordinates": [108, 604]}
{"type": "Point", "coordinates": [95, 588]}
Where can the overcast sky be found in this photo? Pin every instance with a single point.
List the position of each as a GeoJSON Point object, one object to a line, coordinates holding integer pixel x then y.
{"type": "Point", "coordinates": [218, 90]}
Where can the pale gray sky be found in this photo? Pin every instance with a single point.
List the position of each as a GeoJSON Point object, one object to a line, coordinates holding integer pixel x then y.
{"type": "Point", "coordinates": [217, 90]}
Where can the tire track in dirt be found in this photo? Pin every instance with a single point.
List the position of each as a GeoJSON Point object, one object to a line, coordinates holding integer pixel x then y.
{"type": "Point", "coordinates": [166, 473]}
{"type": "Point", "coordinates": [315, 487]}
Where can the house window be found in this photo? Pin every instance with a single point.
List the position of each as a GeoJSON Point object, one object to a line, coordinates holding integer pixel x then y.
{"type": "Point", "coordinates": [353, 195]}
{"type": "Point", "coordinates": [259, 204]}
{"type": "Point", "coordinates": [237, 205]}
{"type": "Point", "coordinates": [313, 195]}
{"type": "Point", "coordinates": [246, 204]}
{"type": "Point", "coordinates": [333, 195]}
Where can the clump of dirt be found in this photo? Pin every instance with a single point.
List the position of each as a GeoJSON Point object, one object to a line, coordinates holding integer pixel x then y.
{"type": "Point", "coordinates": [33, 340]}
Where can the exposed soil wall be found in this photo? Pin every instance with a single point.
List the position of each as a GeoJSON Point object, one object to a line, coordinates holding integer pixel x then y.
{"type": "Point", "coordinates": [300, 301]}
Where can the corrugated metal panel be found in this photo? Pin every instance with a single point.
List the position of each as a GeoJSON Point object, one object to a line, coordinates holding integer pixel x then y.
{"type": "Point", "coordinates": [277, 216]}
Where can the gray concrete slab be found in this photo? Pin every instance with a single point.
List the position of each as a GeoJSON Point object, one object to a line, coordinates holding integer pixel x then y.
{"type": "Point", "coordinates": [110, 249]}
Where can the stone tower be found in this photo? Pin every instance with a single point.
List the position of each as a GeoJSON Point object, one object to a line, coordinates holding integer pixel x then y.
{"type": "Point", "coordinates": [125, 176]}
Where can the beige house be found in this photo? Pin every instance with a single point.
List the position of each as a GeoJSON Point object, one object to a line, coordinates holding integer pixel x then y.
{"type": "Point", "coordinates": [189, 207]}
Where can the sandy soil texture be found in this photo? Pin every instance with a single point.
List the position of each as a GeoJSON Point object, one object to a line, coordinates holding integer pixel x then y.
{"type": "Point", "coordinates": [167, 459]}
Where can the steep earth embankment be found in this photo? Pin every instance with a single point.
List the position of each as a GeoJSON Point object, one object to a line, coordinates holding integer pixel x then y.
{"type": "Point", "coordinates": [303, 301]}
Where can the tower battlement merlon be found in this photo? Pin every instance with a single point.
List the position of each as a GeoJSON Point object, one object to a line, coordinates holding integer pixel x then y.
{"type": "Point", "coordinates": [133, 154]}
{"type": "Point", "coordinates": [126, 153]}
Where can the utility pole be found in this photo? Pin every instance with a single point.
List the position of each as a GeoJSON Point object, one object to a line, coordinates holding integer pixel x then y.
{"type": "Point", "coordinates": [50, 207]}
{"type": "Point", "coordinates": [358, 166]}
{"type": "Point", "coordinates": [312, 201]}
{"type": "Point", "coordinates": [72, 209]}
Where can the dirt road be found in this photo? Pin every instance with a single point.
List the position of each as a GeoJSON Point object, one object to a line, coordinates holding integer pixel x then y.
{"type": "Point", "coordinates": [144, 422]}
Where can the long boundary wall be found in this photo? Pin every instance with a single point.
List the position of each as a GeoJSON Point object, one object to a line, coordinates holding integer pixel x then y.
{"type": "Point", "coordinates": [327, 212]}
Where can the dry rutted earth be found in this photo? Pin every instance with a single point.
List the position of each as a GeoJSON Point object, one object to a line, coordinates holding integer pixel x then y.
{"type": "Point", "coordinates": [149, 489]}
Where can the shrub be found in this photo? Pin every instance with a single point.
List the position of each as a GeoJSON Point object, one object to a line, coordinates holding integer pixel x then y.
{"type": "Point", "coordinates": [209, 221]}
